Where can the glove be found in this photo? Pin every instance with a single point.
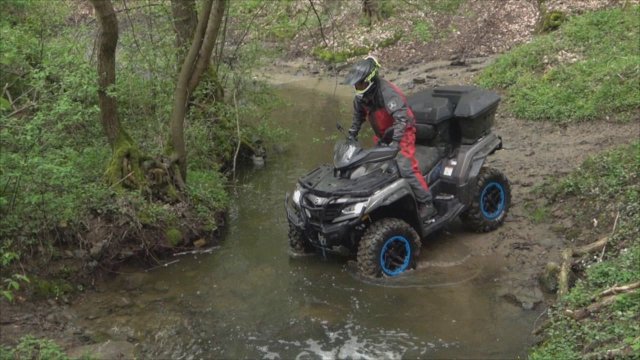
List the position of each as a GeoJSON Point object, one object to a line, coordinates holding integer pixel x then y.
{"type": "Point", "coordinates": [353, 135]}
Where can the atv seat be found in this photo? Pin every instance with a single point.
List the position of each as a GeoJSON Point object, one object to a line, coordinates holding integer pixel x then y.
{"type": "Point", "coordinates": [428, 157]}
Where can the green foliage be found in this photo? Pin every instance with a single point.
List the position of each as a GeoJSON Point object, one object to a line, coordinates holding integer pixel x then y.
{"type": "Point", "coordinates": [423, 31]}
{"type": "Point", "coordinates": [551, 21]}
{"type": "Point", "coordinates": [342, 55]}
{"type": "Point", "coordinates": [54, 152]}
{"type": "Point", "coordinates": [330, 56]}
{"type": "Point", "coordinates": [46, 289]}
{"type": "Point", "coordinates": [33, 349]}
{"type": "Point", "coordinates": [608, 183]}
{"type": "Point", "coordinates": [608, 177]}
{"type": "Point", "coordinates": [174, 236]}
{"type": "Point", "coordinates": [588, 69]}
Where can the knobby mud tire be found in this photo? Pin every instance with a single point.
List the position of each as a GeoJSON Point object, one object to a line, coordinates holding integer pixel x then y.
{"type": "Point", "coordinates": [298, 242]}
{"type": "Point", "coordinates": [374, 239]}
{"type": "Point", "coordinates": [477, 219]}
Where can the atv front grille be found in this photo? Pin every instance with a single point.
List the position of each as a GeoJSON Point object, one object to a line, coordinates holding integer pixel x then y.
{"type": "Point", "coordinates": [319, 213]}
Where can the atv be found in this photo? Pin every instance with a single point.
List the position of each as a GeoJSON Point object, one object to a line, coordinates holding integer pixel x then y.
{"type": "Point", "coordinates": [360, 205]}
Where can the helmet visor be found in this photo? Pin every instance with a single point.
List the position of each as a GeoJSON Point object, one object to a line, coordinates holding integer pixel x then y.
{"type": "Point", "coordinates": [362, 85]}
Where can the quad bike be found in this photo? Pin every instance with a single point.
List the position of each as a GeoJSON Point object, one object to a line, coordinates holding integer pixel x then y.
{"type": "Point", "coordinates": [362, 206]}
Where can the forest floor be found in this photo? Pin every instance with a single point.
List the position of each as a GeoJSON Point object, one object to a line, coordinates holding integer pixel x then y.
{"type": "Point", "coordinates": [534, 152]}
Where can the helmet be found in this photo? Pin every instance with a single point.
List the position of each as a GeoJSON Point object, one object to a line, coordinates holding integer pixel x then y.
{"type": "Point", "coordinates": [363, 75]}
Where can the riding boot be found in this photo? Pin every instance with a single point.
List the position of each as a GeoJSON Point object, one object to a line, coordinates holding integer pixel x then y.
{"type": "Point", "coordinates": [427, 211]}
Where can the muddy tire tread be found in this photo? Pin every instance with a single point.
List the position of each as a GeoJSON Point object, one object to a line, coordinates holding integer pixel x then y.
{"type": "Point", "coordinates": [372, 240]}
{"type": "Point", "coordinates": [298, 244]}
{"type": "Point", "coordinates": [473, 218]}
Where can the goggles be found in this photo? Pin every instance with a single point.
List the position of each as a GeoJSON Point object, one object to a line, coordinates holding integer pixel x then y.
{"type": "Point", "coordinates": [362, 87]}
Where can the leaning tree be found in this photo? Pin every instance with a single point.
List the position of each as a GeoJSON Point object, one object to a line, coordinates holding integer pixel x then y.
{"type": "Point", "coordinates": [128, 166]}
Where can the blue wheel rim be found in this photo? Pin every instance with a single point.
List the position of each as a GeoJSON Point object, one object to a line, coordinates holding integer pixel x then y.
{"type": "Point", "coordinates": [395, 255]}
{"type": "Point", "coordinates": [492, 200]}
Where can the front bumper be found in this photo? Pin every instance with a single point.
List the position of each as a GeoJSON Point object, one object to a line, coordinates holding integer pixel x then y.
{"type": "Point", "coordinates": [335, 237]}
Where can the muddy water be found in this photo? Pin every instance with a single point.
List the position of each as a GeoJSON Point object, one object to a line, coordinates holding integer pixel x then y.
{"type": "Point", "coordinates": [248, 299]}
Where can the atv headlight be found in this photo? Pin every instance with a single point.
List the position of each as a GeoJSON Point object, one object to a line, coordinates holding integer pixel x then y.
{"type": "Point", "coordinates": [296, 195]}
{"type": "Point", "coordinates": [354, 208]}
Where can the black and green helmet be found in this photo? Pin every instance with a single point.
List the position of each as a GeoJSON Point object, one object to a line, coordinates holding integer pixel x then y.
{"type": "Point", "coordinates": [362, 75]}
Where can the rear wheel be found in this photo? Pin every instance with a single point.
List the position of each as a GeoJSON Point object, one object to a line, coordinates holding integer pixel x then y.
{"type": "Point", "coordinates": [298, 242]}
{"type": "Point", "coordinates": [491, 201]}
{"type": "Point", "coordinates": [388, 247]}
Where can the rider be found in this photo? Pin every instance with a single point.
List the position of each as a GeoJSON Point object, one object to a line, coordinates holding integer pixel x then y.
{"type": "Point", "coordinates": [393, 122]}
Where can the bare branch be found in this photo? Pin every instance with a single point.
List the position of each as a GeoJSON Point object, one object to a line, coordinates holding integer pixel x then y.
{"type": "Point", "coordinates": [324, 39]}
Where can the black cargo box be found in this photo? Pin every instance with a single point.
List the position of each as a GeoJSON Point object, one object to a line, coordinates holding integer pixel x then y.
{"type": "Point", "coordinates": [453, 114]}
{"type": "Point", "coordinates": [474, 110]}
{"type": "Point", "coordinates": [431, 117]}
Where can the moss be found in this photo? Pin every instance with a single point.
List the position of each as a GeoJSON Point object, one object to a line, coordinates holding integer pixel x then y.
{"type": "Point", "coordinates": [174, 236]}
{"type": "Point", "coordinates": [391, 40]}
{"type": "Point", "coordinates": [126, 159]}
{"type": "Point", "coordinates": [551, 21]}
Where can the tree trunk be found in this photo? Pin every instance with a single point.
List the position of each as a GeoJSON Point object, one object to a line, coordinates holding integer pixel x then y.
{"type": "Point", "coordinates": [194, 65]}
{"type": "Point", "coordinates": [124, 169]}
{"type": "Point", "coordinates": [185, 19]}
{"type": "Point", "coordinates": [108, 40]}
{"type": "Point", "coordinates": [371, 10]}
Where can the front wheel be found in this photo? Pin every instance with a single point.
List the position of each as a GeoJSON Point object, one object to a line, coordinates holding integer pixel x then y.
{"type": "Point", "coordinates": [491, 201]}
{"type": "Point", "coordinates": [298, 242]}
{"type": "Point", "coordinates": [388, 247]}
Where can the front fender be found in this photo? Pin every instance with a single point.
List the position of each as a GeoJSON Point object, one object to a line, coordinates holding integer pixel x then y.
{"type": "Point", "coordinates": [390, 194]}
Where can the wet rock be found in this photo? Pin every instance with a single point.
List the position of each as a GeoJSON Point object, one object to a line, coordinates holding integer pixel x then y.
{"type": "Point", "coordinates": [549, 278]}
{"type": "Point", "coordinates": [200, 243]}
{"type": "Point", "coordinates": [123, 302]}
{"type": "Point", "coordinates": [97, 249]}
{"type": "Point", "coordinates": [258, 161]}
{"type": "Point", "coordinates": [106, 350]}
{"type": "Point", "coordinates": [161, 286]}
{"type": "Point", "coordinates": [419, 80]}
{"type": "Point", "coordinates": [525, 297]}
{"type": "Point", "coordinates": [133, 281]}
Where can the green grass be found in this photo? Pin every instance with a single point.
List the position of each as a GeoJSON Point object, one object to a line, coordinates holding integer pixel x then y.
{"type": "Point", "coordinates": [588, 69]}
{"type": "Point", "coordinates": [606, 186]}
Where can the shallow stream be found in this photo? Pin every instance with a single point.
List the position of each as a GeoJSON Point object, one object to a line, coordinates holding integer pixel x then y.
{"type": "Point", "coordinates": [249, 299]}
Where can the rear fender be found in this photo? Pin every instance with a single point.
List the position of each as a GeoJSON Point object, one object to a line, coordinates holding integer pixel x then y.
{"type": "Point", "coordinates": [470, 159]}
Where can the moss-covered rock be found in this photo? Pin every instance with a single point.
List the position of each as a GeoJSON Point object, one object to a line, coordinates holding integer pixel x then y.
{"type": "Point", "coordinates": [174, 236]}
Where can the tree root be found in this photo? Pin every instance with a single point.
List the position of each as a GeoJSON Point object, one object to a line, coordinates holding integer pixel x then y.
{"type": "Point", "coordinates": [565, 270]}
{"type": "Point", "coordinates": [610, 354]}
{"type": "Point", "coordinates": [568, 262]}
{"type": "Point", "coordinates": [604, 299]}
